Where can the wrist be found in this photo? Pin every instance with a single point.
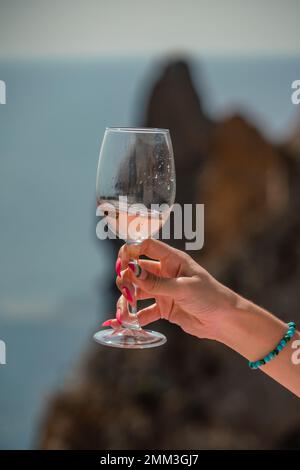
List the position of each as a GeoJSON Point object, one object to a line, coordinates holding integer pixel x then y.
{"type": "Point", "coordinates": [249, 330]}
{"type": "Point", "coordinates": [224, 318]}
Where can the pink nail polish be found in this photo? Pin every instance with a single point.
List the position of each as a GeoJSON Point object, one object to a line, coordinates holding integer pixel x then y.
{"type": "Point", "coordinates": [118, 316]}
{"type": "Point", "coordinates": [131, 266]}
{"type": "Point", "coordinates": [127, 294]}
{"type": "Point", "coordinates": [106, 323]}
{"type": "Point", "coordinates": [118, 267]}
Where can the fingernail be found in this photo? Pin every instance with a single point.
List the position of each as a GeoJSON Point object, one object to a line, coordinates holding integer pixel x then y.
{"type": "Point", "coordinates": [118, 267]}
{"type": "Point", "coordinates": [118, 316]}
{"type": "Point", "coordinates": [127, 294]}
{"type": "Point", "coordinates": [106, 323]}
{"type": "Point", "coordinates": [135, 268]}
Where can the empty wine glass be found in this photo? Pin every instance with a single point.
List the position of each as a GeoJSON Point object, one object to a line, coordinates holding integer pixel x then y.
{"type": "Point", "coordinates": [135, 193]}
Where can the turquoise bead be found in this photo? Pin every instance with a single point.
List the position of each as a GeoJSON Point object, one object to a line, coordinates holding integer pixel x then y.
{"type": "Point", "coordinates": [287, 337]}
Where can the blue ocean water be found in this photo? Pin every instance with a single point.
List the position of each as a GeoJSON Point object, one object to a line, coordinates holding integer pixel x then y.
{"type": "Point", "coordinates": [52, 268]}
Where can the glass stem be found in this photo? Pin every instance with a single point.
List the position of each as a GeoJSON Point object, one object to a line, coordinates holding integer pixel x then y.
{"type": "Point", "coordinates": [132, 308]}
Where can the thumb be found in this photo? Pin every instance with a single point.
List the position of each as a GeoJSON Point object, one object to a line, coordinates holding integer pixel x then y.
{"type": "Point", "coordinates": [153, 284]}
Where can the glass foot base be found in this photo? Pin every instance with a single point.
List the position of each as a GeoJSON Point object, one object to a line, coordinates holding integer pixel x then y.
{"type": "Point", "coordinates": [129, 338]}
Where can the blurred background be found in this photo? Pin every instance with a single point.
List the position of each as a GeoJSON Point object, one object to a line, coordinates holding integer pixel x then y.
{"type": "Point", "coordinates": [218, 75]}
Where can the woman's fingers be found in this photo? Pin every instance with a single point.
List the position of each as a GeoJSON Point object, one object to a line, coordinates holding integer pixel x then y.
{"type": "Point", "coordinates": [131, 293]}
{"type": "Point", "coordinates": [125, 283]}
{"type": "Point", "coordinates": [148, 315]}
{"type": "Point", "coordinates": [153, 267]}
{"type": "Point", "coordinates": [122, 313]}
{"type": "Point", "coordinates": [188, 323]}
{"type": "Point", "coordinates": [148, 285]}
{"type": "Point", "coordinates": [172, 261]}
{"type": "Point", "coordinates": [144, 316]}
{"type": "Point", "coordinates": [123, 316]}
{"type": "Point", "coordinates": [157, 250]}
{"type": "Point", "coordinates": [125, 280]}
{"type": "Point", "coordinates": [156, 285]}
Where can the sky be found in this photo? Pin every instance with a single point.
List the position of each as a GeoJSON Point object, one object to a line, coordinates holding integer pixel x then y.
{"type": "Point", "coordinates": [137, 27]}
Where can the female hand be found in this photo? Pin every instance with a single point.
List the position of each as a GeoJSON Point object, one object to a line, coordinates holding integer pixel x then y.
{"type": "Point", "coordinates": [189, 296]}
{"type": "Point", "coordinates": [184, 292]}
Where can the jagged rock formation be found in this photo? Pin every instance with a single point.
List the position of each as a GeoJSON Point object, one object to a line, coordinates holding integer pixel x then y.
{"type": "Point", "coordinates": [175, 105]}
{"type": "Point", "coordinates": [198, 394]}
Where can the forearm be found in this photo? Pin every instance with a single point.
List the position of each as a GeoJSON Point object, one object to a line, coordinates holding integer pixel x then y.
{"type": "Point", "coordinates": [253, 332]}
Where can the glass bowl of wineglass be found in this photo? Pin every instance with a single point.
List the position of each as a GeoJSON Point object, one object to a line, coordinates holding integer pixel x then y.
{"type": "Point", "coordinates": [135, 193]}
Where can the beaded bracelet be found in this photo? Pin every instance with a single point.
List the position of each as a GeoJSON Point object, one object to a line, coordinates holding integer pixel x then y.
{"type": "Point", "coordinates": [289, 334]}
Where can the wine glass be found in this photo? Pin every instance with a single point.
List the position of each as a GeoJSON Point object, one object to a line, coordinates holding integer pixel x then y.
{"type": "Point", "coordinates": [135, 193]}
